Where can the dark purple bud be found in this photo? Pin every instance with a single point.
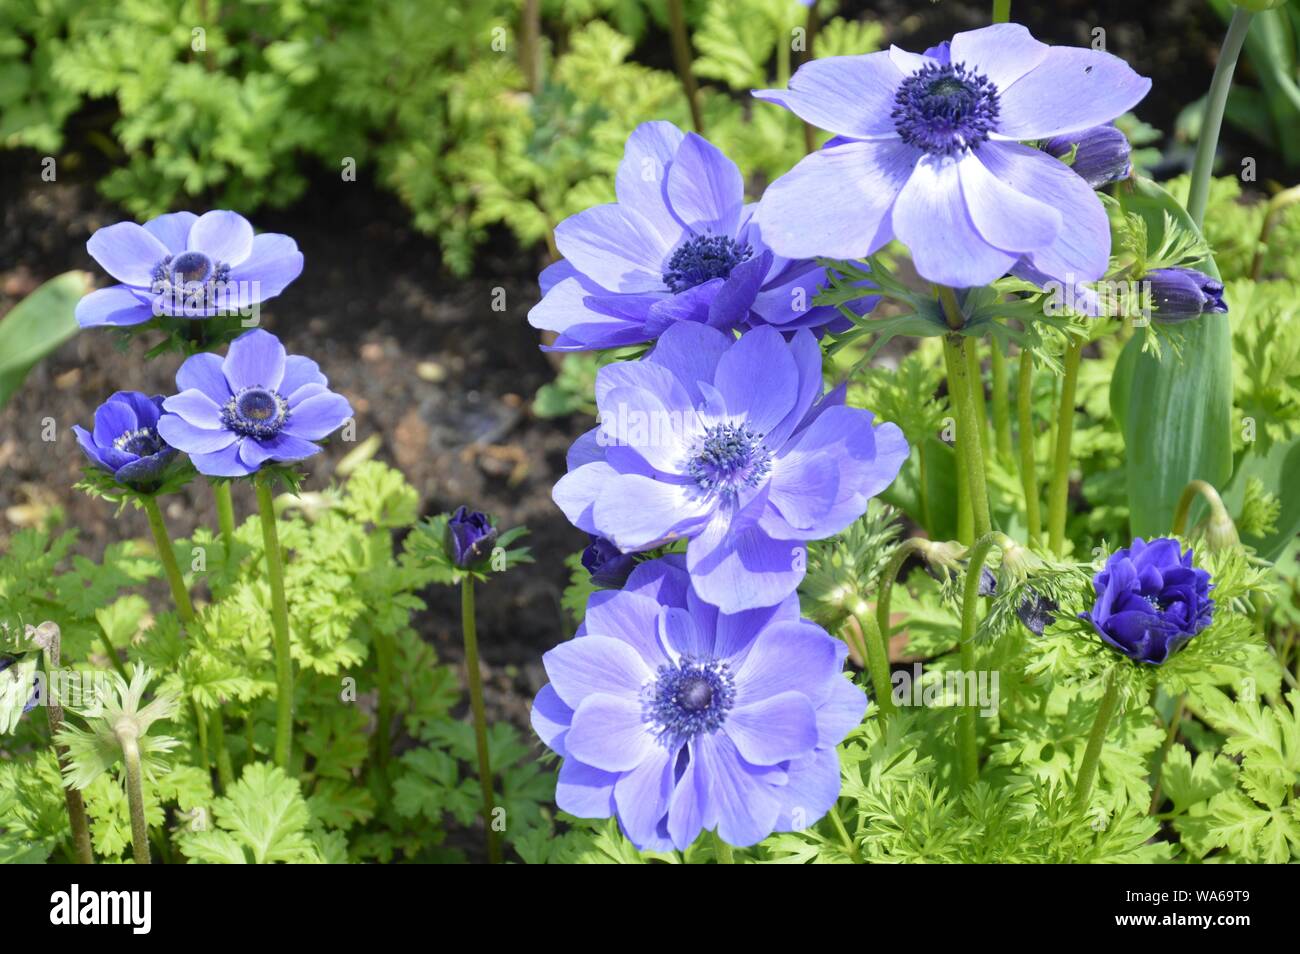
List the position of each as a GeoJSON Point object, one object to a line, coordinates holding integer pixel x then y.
{"type": "Point", "coordinates": [1179, 294]}
{"type": "Point", "coordinates": [988, 582]}
{"type": "Point", "coordinates": [607, 564]}
{"type": "Point", "coordinates": [470, 537]}
{"type": "Point", "coordinates": [1037, 612]}
{"type": "Point", "coordinates": [1150, 600]}
{"type": "Point", "coordinates": [1102, 155]}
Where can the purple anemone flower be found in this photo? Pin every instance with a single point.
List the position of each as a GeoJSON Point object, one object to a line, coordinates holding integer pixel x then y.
{"type": "Point", "coordinates": [729, 443]}
{"type": "Point", "coordinates": [186, 265]}
{"type": "Point", "coordinates": [125, 440]}
{"type": "Point", "coordinates": [680, 244]}
{"type": "Point", "coordinates": [928, 150]}
{"type": "Point", "coordinates": [679, 719]}
{"type": "Point", "coordinates": [257, 404]}
{"type": "Point", "coordinates": [1180, 294]}
{"type": "Point", "coordinates": [470, 536]}
{"type": "Point", "coordinates": [1150, 600]}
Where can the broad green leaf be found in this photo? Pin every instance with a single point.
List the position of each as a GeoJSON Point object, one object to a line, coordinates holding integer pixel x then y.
{"type": "Point", "coordinates": [36, 326]}
{"type": "Point", "coordinates": [1176, 410]}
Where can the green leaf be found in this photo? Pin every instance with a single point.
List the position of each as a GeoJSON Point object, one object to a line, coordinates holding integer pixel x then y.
{"type": "Point", "coordinates": [261, 821]}
{"type": "Point", "coordinates": [36, 326]}
{"type": "Point", "coordinates": [1176, 409]}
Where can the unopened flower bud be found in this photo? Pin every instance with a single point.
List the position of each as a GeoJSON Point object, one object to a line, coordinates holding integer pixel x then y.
{"type": "Point", "coordinates": [1102, 154]}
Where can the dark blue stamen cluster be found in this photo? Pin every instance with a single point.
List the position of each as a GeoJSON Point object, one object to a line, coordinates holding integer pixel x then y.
{"type": "Point", "coordinates": [188, 274]}
{"type": "Point", "coordinates": [702, 258]}
{"type": "Point", "coordinates": [691, 697]}
{"type": "Point", "coordinates": [730, 457]}
{"type": "Point", "coordinates": [143, 442]}
{"type": "Point", "coordinates": [255, 412]}
{"type": "Point", "coordinates": [945, 109]}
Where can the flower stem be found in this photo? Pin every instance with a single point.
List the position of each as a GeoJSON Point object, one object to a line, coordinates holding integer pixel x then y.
{"type": "Point", "coordinates": [127, 737]}
{"type": "Point", "coordinates": [71, 796]}
{"type": "Point", "coordinates": [682, 60]}
{"type": "Point", "coordinates": [1096, 739]}
{"type": "Point", "coordinates": [1059, 490]}
{"type": "Point", "coordinates": [1001, 404]}
{"type": "Point", "coordinates": [1001, 11]}
{"type": "Point", "coordinates": [722, 852]}
{"type": "Point", "coordinates": [1185, 502]}
{"type": "Point", "coordinates": [971, 454]}
{"type": "Point", "coordinates": [975, 378]}
{"type": "Point", "coordinates": [225, 515]}
{"type": "Point", "coordinates": [180, 595]}
{"type": "Point", "coordinates": [967, 742]}
{"type": "Point", "coordinates": [886, 585]}
{"type": "Point", "coordinates": [225, 769]}
{"type": "Point", "coordinates": [811, 26]}
{"type": "Point", "coordinates": [1171, 733]}
{"type": "Point", "coordinates": [1028, 465]}
{"type": "Point", "coordinates": [877, 658]}
{"type": "Point", "coordinates": [384, 715]}
{"type": "Point", "coordinates": [470, 630]}
{"type": "Point", "coordinates": [1198, 191]}
{"type": "Point", "coordinates": [280, 624]}
{"type": "Point", "coordinates": [843, 832]}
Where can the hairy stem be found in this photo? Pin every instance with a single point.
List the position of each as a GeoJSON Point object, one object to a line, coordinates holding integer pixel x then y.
{"type": "Point", "coordinates": [975, 377]}
{"type": "Point", "coordinates": [127, 737]}
{"type": "Point", "coordinates": [1198, 191]}
{"type": "Point", "coordinates": [1028, 465]}
{"type": "Point", "coordinates": [1188, 497]}
{"type": "Point", "coordinates": [877, 651]}
{"type": "Point", "coordinates": [682, 60]}
{"type": "Point", "coordinates": [72, 797]}
{"type": "Point", "coordinates": [280, 624]}
{"type": "Point", "coordinates": [967, 743]}
{"type": "Point", "coordinates": [167, 555]}
{"type": "Point", "coordinates": [1001, 11]}
{"type": "Point", "coordinates": [469, 628]}
{"type": "Point", "coordinates": [1096, 739]}
{"type": "Point", "coordinates": [970, 452]}
{"type": "Point", "coordinates": [886, 586]}
{"type": "Point", "coordinates": [225, 769]}
{"type": "Point", "coordinates": [811, 26]}
{"type": "Point", "coordinates": [1059, 490]}
{"type": "Point", "coordinates": [1001, 404]}
{"type": "Point", "coordinates": [225, 516]}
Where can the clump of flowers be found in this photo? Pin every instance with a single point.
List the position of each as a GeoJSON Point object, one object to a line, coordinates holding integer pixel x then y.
{"type": "Point", "coordinates": [1151, 599]}
{"type": "Point", "coordinates": [676, 718]}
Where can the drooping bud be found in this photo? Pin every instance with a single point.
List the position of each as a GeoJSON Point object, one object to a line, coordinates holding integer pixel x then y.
{"type": "Point", "coordinates": [1180, 294]}
{"type": "Point", "coordinates": [1101, 154]}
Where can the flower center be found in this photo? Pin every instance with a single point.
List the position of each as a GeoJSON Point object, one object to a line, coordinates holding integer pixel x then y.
{"type": "Point", "coordinates": [702, 258]}
{"type": "Point", "coordinates": [190, 278]}
{"type": "Point", "coordinates": [255, 412]}
{"type": "Point", "coordinates": [691, 697]}
{"type": "Point", "coordinates": [142, 442]}
{"type": "Point", "coordinates": [729, 457]}
{"type": "Point", "coordinates": [945, 109]}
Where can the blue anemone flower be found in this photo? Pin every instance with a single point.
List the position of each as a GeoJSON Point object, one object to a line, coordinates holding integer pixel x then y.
{"type": "Point", "coordinates": [679, 719]}
{"type": "Point", "coordinates": [732, 444]}
{"type": "Point", "coordinates": [680, 244]}
{"type": "Point", "coordinates": [125, 441]}
{"type": "Point", "coordinates": [928, 149]}
{"type": "Point", "coordinates": [187, 265]}
{"type": "Point", "coordinates": [1150, 600]}
{"type": "Point", "coordinates": [257, 404]}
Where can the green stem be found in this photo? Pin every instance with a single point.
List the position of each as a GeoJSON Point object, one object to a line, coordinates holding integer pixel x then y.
{"type": "Point", "coordinates": [225, 517]}
{"type": "Point", "coordinates": [127, 737]}
{"type": "Point", "coordinates": [1198, 191]}
{"type": "Point", "coordinates": [682, 60]}
{"type": "Point", "coordinates": [811, 26]}
{"type": "Point", "coordinates": [166, 554]}
{"type": "Point", "coordinates": [1171, 733]}
{"type": "Point", "coordinates": [843, 832]}
{"type": "Point", "coordinates": [201, 733]}
{"type": "Point", "coordinates": [924, 480]}
{"type": "Point", "coordinates": [225, 769]}
{"type": "Point", "coordinates": [1096, 739]}
{"type": "Point", "coordinates": [111, 651]}
{"type": "Point", "coordinates": [877, 658]}
{"type": "Point", "coordinates": [722, 852]}
{"type": "Point", "coordinates": [1059, 490]}
{"type": "Point", "coordinates": [886, 586]}
{"type": "Point", "coordinates": [470, 630]}
{"type": "Point", "coordinates": [384, 715]}
{"type": "Point", "coordinates": [971, 455]}
{"type": "Point", "coordinates": [1028, 465]}
{"type": "Point", "coordinates": [280, 624]}
{"type": "Point", "coordinates": [72, 798]}
{"type": "Point", "coordinates": [975, 377]}
{"type": "Point", "coordinates": [967, 742]}
{"type": "Point", "coordinates": [1001, 11]}
{"type": "Point", "coordinates": [1185, 501]}
{"type": "Point", "coordinates": [1001, 404]}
